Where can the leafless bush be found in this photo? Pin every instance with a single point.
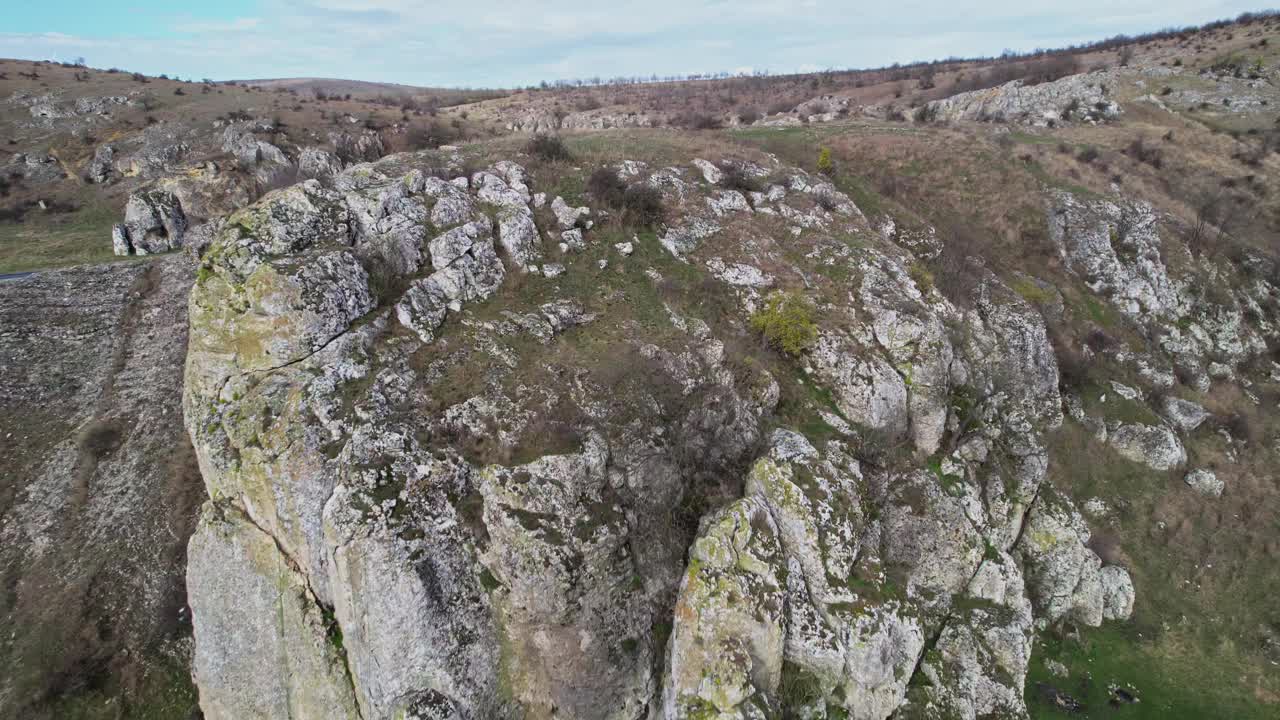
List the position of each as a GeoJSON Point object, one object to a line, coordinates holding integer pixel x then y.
{"type": "Point", "coordinates": [696, 121]}
{"type": "Point", "coordinates": [1030, 72]}
{"type": "Point", "coordinates": [1242, 427]}
{"type": "Point", "coordinates": [101, 438]}
{"type": "Point", "coordinates": [549, 148]}
{"type": "Point", "coordinates": [421, 136]}
{"type": "Point", "coordinates": [586, 103]}
{"type": "Point", "coordinates": [736, 178]}
{"type": "Point", "coordinates": [607, 187]}
{"type": "Point", "coordinates": [954, 275]}
{"type": "Point", "coordinates": [781, 106]}
{"type": "Point", "coordinates": [1142, 152]}
{"type": "Point", "coordinates": [642, 206]}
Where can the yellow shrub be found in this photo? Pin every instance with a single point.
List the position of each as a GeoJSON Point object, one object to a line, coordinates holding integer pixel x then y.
{"type": "Point", "coordinates": [825, 164]}
{"type": "Point", "coordinates": [786, 322]}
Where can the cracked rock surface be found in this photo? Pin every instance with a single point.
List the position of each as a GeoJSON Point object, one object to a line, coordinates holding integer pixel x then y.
{"type": "Point", "coordinates": [419, 509]}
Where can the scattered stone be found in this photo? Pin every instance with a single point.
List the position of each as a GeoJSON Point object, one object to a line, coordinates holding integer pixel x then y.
{"type": "Point", "coordinates": [568, 217]}
{"type": "Point", "coordinates": [1155, 446]}
{"type": "Point", "coordinates": [710, 173]}
{"type": "Point", "coordinates": [572, 240]}
{"type": "Point", "coordinates": [1205, 482]}
{"type": "Point", "coordinates": [1184, 414]}
{"type": "Point", "coordinates": [727, 201]}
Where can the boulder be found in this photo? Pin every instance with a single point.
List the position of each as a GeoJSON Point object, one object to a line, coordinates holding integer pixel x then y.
{"type": "Point", "coordinates": [568, 217]}
{"type": "Point", "coordinates": [363, 146]}
{"type": "Point", "coordinates": [1155, 446]}
{"type": "Point", "coordinates": [710, 172]}
{"type": "Point", "coordinates": [1184, 414]}
{"type": "Point", "coordinates": [1117, 593]}
{"type": "Point", "coordinates": [102, 167]}
{"type": "Point", "coordinates": [153, 223]}
{"type": "Point", "coordinates": [1205, 482]}
{"type": "Point", "coordinates": [319, 164]}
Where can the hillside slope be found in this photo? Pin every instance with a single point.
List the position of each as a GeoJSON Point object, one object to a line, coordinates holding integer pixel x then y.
{"type": "Point", "coordinates": [949, 402]}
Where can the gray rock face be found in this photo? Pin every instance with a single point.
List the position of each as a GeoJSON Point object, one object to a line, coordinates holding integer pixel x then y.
{"type": "Point", "coordinates": [726, 655]}
{"type": "Point", "coordinates": [153, 223]}
{"type": "Point", "coordinates": [102, 167]}
{"type": "Point", "coordinates": [1074, 98]}
{"type": "Point", "coordinates": [234, 570]}
{"type": "Point", "coordinates": [1066, 578]}
{"type": "Point", "coordinates": [1155, 446]}
{"type": "Point", "coordinates": [319, 164]}
{"type": "Point", "coordinates": [364, 146]}
{"type": "Point", "coordinates": [495, 533]}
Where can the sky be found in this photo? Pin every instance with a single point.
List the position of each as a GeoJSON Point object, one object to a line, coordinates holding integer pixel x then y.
{"type": "Point", "coordinates": [512, 44]}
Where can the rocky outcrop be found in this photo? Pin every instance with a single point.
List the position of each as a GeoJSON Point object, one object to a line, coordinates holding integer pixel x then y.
{"type": "Point", "coordinates": [318, 164]}
{"type": "Point", "coordinates": [102, 167]}
{"type": "Point", "coordinates": [364, 146]}
{"type": "Point", "coordinates": [419, 505]}
{"type": "Point", "coordinates": [157, 151]}
{"type": "Point", "coordinates": [268, 163]}
{"type": "Point", "coordinates": [1116, 247]}
{"type": "Point", "coordinates": [1075, 98]}
{"type": "Point", "coordinates": [35, 169]}
{"type": "Point", "coordinates": [1064, 577]}
{"type": "Point", "coordinates": [539, 120]}
{"type": "Point", "coordinates": [153, 223]}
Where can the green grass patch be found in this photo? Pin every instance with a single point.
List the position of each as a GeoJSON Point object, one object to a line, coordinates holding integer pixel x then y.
{"type": "Point", "coordinates": [1122, 655]}
{"type": "Point", "coordinates": [49, 240]}
{"type": "Point", "coordinates": [1027, 138]}
{"type": "Point", "coordinates": [163, 692]}
{"type": "Point", "coordinates": [1204, 592]}
{"type": "Point", "coordinates": [1116, 407]}
{"type": "Point", "coordinates": [1031, 292]}
{"type": "Point", "coordinates": [1098, 311]}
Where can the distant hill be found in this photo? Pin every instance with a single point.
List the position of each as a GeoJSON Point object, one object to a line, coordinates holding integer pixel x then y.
{"type": "Point", "coordinates": [363, 90]}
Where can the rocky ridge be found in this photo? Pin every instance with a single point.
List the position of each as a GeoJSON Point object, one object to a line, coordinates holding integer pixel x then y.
{"type": "Point", "coordinates": [430, 563]}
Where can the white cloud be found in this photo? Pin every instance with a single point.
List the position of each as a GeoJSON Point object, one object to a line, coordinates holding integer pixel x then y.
{"type": "Point", "coordinates": [429, 42]}
{"type": "Point", "coordinates": [236, 25]}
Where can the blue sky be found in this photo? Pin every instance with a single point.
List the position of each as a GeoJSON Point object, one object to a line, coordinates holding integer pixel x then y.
{"type": "Point", "coordinates": [424, 42]}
